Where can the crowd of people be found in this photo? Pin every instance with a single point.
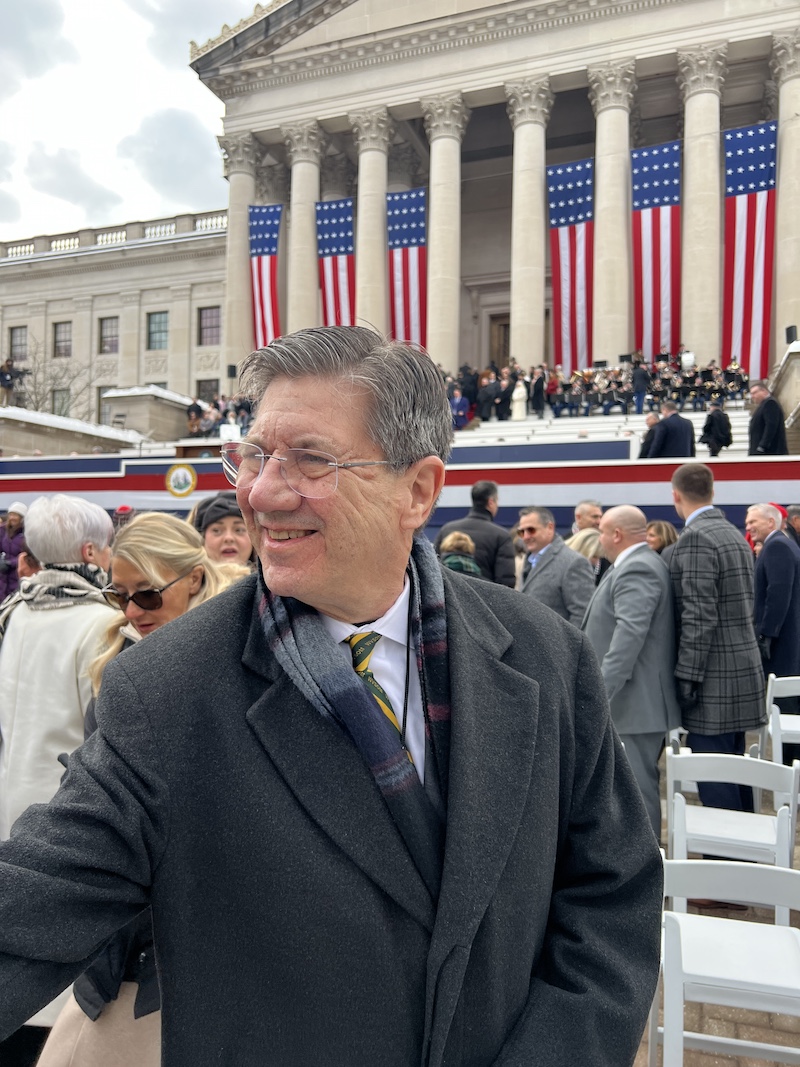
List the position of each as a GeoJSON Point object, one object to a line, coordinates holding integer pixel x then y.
{"type": "Point", "coordinates": [686, 629]}
{"type": "Point", "coordinates": [512, 392]}
{"type": "Point", "coordinates": [226, 417]}
{"type": "Point", "coordinates": [390, 770]}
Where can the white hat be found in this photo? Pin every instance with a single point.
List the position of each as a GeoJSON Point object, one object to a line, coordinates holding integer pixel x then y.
{"type": "Point", "coordinates": [18, 508]}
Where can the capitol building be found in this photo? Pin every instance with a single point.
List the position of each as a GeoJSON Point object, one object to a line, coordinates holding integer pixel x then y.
{"type": "Point", "coordinates": [472, 101]}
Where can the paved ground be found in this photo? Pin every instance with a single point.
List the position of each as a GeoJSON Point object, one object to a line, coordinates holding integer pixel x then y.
{"type": "Point", "coordinates": [734, 1022]}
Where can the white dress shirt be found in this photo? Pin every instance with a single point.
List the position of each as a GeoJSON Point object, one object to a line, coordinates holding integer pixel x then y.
{"type": "Point", "coordinates": [388, 664]}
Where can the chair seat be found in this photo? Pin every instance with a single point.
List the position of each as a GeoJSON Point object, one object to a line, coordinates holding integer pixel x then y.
{"type": "Point", "coordinates": [741, 834]}
{"type": "Point", "coordinates": [735, 957]}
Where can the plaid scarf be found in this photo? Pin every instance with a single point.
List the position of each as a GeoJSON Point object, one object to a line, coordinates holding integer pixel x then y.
{"type": "Point", "coordinates": [296, 636]}
{"type": "Point", "coordinates": [63, 585]}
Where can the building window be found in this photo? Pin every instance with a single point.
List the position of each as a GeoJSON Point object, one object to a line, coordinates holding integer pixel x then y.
{"type": "Point", "coordinates": [61, 401]}
{"type": "Point", "coordinates": [62, 339]}
{"type": "Point", "coordinates": [103, 406]}
{"type": "Point", "coordinates": [18, 343]}
{"type": "Point", "coordinates": [157, 330]}
{"type": "Point", "coordinates": [108, 341]}
{"type": "Point", "coordinates": [208, 326]}
{"type": "Point", "coordinates": [207, 389]}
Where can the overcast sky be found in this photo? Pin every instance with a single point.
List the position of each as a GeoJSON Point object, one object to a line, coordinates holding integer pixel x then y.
{"type": "Point", "coordinates": [102, 121]}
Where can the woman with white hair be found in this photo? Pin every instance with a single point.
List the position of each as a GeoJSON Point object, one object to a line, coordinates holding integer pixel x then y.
{"type": "Point", "coordinates": [159, 570]}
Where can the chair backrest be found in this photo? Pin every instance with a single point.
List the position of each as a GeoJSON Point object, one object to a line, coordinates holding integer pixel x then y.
{"type": "Point", "coordinates": [744, 770]}
{"type": "Point", "coordinates": [786, 686]}
{"type": "Point", "coordinates": [750, 883]}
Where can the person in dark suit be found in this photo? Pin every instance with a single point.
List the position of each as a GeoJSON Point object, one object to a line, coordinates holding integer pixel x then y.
{"type": "Point", "coordinates": [647, 441]}
{"type": "Point", "coordinates": [717, 432]}
{"type": "Point", "coordinates": [776, 610]}
{"type": "Point", "coordinates": [673, 436]}
{"type": "Point", "coordinates": [494, 549]}
{"type": "Point", "coordinates": [718, 670]}
{"type": "Point", "coordinates": [767, 429]}
{"type": "Point", "coordinates": [378, 816]}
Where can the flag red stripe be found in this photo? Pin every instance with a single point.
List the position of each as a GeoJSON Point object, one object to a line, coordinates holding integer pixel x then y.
{"type": "Point", "coordinates": [555, 271]}
{"type": "Point", "coordinates": [769, 261]}
{"type": "Point", "coordinates": [422, 293]}
{"type": "Point", "coordinates": [655, 336]}
{"type": "Point", "coordinates": [727, 287]}
{"type": "Point", "coordinates": [589, 288]}
{"type": "Point", "coordinates": [674, 339]}
{"type": "Point", "coordinates": [573, 359]}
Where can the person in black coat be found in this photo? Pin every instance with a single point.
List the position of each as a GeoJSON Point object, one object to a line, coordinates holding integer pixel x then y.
{"type": "Point", "coordinates": [537, 399]}
{"type": "Point", "coordinates": [647, 441]}
{"type": "Point", "coordinates": [716, 429]}
{"type": "Point", "coordinates": [673, 436]}
{"type": "Point", "coordinates": [494, 549]}
{"type": "Point", "coordinates": [767, 429]}
{"type": "Point", "coordinates": [640, 382]}
{"type": "Point", "coordinates": [776, 608]}
{"type": "Point", "coordinates": [487, 395]}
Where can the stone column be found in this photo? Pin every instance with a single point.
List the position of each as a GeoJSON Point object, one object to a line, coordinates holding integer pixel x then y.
{"type": "Point", "coordinates": [241, 155]}
{"type": "Point", "coordinates": [373, 131]}
{"type": "Point", "coordinates": [179, 352]}
{"type": "Point", "coordinates": [701, 74]}
{"type": "Point", "coordinates": [446, 119]}
{"type": "Point", "coordinates": [611, 89]}
{"type": "Point", "coordinates": [402, 160]}
{"type": "Point", "coordinates": [529, 106]}
{"type": "Point", "coordinates": [786, 72]}
{"type": "Point", "coordinates": [84, 345]}
{"type": "Point", "coordinates": [336, 177]}
{"type": "Point", "coordinates": [305, 143]}
{"type": "Point", "coordinates": [130, 345]}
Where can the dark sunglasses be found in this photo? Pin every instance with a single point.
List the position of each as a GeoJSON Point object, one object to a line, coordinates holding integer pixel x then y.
{"type": "Point", "coordinates": [146, 599]}
{"type": "Point", "coordinates": [522, 530]}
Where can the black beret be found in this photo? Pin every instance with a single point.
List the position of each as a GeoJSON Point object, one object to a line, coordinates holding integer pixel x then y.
{"type": "Point", "coordinates": [214, 508]}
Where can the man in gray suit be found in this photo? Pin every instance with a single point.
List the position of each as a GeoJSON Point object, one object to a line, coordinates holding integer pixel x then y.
{"type": "Point", "coordinates": [378, 812]}
{"type": "Point", "coordinates": [554, 574]}
{"type": "Point", "coordinates": [630, 623]}
{"type": "Point", "coordinates": [718, 670]}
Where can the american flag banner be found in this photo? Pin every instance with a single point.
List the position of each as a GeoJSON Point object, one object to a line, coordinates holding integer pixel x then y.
{"type": "Point", "coordinates": [406, 215]}
{"type": "Point", "coordinates": [749, 246]}
{"type": "Point", "coordinates": [570, 201]}
{"type": "Point", "coordinates": [337, 264]}
{"type": "Point", "coordinates": [265, 225]}
{"type": "Point", "coordinates": [656, 182]}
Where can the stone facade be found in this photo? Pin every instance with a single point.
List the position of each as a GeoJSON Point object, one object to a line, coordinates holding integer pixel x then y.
{"type": "Point", "coordinates": [317, 81]}
{"type": "Point", "coordinates": [136, 305]}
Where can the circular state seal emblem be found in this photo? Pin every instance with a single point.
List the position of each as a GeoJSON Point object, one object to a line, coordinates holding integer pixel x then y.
{"type": "Point", "coordinates": [181, 479]}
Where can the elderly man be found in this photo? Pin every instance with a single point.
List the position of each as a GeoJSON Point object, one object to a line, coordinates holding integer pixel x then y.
{"type": "Point", "coordinates": [378, 817]}
{"type": "Point", "coordinates": [554, 574]}
{"type": "Point", "coordinates": [630, 624]}
{"type": "Point", "coordinates": [767, 430]}
{"type": "Point", "coordinates": [588, 514]}
{"type": "Point", "coordinates": [720, 681]}
{"type": "Point", "coordinates": [777, 601]}
{"type": "Point", "coordinates": [494, 549]}
{"type": "Point", "coordinates": [51, 630]}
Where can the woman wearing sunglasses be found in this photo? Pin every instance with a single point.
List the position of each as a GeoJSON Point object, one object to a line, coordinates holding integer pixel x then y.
{"type": "Point", "coordinates": [159, 570]}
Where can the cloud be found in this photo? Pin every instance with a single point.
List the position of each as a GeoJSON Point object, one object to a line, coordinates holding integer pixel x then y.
{"type": "Point", "coordinates": [7, 157]}
{"type": "Point", "coordinates": [9, 207]}
{"type": "Point", "coordinates": [31, 42]}
{"type": "Point", "coordinates": [61, 175]}
{"type": "Point", "coordinates": [175, 23]}
{"type": "Point", "coordinates": [178, 156]}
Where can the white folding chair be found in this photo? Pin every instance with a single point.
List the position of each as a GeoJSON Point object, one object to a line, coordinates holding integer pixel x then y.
{"type": "Point", "coordinates": [784, 728]}
{"type": "Point", "coordinates": [729, 962]}
{"type": "Point", "coordinates": [738, 835]}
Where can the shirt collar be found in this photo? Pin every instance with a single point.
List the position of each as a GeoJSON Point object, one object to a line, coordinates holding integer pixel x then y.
{"type": "Point", "coordinates": [627, 552]}
{"type": "Point", "coordinates": [696, 512]}
{"type": "Point", "coordinates": [394, 624]}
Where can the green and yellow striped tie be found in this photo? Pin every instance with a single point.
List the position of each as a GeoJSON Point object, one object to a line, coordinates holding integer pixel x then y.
{"type": "Point", "coordinates": [362, 646]}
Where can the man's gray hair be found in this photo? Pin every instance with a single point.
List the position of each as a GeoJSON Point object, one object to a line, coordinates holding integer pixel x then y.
{"type": "Point", "coordinates": [579, 507]}
{"type": "Point", "coordinates": [769, 511]}
{"type": "Point", "coordinates": [57, 527]}
{"type": "Point", "coordinates": [543, 515]}
{"type": "Point", "coordinates": [408, 414]}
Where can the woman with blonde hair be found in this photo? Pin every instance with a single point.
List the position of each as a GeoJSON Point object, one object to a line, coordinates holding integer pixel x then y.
{"type": "Point", "coordinates": [586, 543]}
{"type": "Point", "coordinates": [659, 534]}
{"type": "Point", "coordinates": [159, 571]}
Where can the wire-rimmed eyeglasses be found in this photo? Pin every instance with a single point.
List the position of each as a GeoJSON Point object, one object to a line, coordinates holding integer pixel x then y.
{"type": "Point", "coordinates": [146, 599]}
{"type": "Point", "coordinates": [309, 473]}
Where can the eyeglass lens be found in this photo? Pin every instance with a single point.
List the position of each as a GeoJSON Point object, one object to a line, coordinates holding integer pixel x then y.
{"type": "Point", "coordinates": [309, 473]}
{"type": "Point", "coordinates": [146, 599]}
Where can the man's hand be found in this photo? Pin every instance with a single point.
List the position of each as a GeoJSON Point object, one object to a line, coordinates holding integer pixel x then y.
{"type": "Point", "coordinates": [765, 646]}
{"type": "Point", "coordinates": [688, 695]}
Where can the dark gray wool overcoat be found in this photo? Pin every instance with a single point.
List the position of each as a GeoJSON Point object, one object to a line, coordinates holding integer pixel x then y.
{"type": "Point", "coordinates": [291, 926]}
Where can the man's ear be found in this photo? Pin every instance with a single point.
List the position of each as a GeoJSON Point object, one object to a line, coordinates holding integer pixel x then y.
{"type": "Point", "coordinates": [89, 552]}
{"type": "Point", "coordinates": [425, 481]}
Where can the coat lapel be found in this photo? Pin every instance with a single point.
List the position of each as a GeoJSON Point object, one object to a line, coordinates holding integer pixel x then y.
{"type": "Point", "coordinates": [330, 780]}
{"type": "Point", "coordinates": [493, 736]}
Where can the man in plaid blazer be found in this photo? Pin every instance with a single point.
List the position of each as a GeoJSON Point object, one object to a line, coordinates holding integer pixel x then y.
{"type": "Point", "coordinates": [718, 671]}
